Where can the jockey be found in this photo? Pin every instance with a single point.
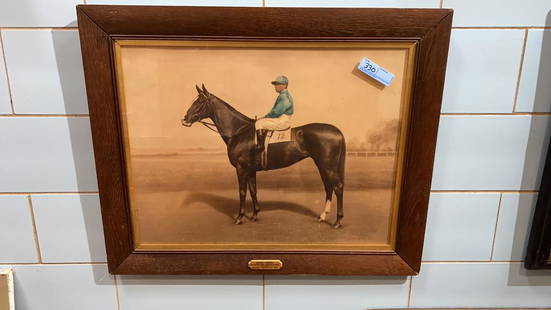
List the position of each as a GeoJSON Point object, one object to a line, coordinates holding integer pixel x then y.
{"type": "Point", "coordinates": [279, 118]}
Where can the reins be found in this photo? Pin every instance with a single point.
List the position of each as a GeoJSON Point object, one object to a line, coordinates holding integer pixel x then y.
{"type": "Point", "coordinates": [212, 126]}
{"type": "Point", "coordinates": [208, 125]}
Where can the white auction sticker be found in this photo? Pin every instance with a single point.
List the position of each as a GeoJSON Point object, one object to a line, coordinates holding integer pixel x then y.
{"type": "Point", "coordinates": [375, 71]}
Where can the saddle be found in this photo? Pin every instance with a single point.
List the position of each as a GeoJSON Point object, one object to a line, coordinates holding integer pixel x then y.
{"type": "Point", "coordinates": [272, 137]}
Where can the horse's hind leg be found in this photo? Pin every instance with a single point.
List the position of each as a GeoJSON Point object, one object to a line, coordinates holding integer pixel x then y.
{"type": "Point", "coordinates": [339, 189]}
{"type": "Point", "coordinates": [252, 190]}
{"type": "Point", "coordinates": [328, 190]}
{"type": "Point", "coordinates": [328, 198]}
{"type": "Point", "coordinates": [337, 186]}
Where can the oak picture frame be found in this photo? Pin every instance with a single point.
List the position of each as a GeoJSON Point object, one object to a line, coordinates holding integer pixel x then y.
{"type": "Point", "coordinates": [100, 26]}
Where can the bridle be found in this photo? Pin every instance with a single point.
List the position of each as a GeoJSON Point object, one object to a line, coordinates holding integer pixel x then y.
{"type": "Point", "coordinates": [212, 126]}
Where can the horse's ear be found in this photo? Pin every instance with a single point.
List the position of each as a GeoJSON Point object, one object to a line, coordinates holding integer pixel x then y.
{"type": "Point", "coordinates": [198, 89]}
{"type": "Point", "coordinates": [205, 91]}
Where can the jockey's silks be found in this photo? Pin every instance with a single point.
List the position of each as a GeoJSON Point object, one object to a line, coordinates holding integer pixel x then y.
{"type": "Point", "coordinates": [282, 105]}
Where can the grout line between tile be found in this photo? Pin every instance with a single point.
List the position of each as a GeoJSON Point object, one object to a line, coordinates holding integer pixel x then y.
{"type": "Point", "coordinates": [263, 292]}
{"type": "Point", "coordinates": [35, 232]}
{"type": "Point", "coordinates": [497, 114]}
{"type": "Point", "coordinates": [45, 193]}
{"type": "Point", "coordinates": [38, 28]}
{"type": "Point", "coordinates": [53, 264]}
{"type": "Point", "coordinates": [502, 27]}
{"type": "Point", "coordinates": [495, 228]}
{"type": "Point", "coordinates": [117, 300]}
{"type": "Point", "coordinates": [482, 191]}
{"type": "Point", "coordinates": [495, 262]}
{"type": "Point", "coordinates": [6, 72]}
{"type": "Point", "coordinates": [409, 292]}
{"type": "Point", "coordinates": [43, 115]}
{"type": "Point", "coordinates": [520, 69]}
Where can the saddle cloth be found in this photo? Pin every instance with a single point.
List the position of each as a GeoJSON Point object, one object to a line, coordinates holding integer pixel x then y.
{"type": "Point", "coordinates": [277, 136]}
{"type": "Point", "coordinates": [272, 137]}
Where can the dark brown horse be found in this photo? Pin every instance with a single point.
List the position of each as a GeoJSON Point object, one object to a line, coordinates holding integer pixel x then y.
{"type": "Point", "coordinates": [324, 143]}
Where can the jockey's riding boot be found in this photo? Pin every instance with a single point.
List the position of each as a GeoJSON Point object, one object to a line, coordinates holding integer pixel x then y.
{"type": "Point", "coordinates": [260, 137]}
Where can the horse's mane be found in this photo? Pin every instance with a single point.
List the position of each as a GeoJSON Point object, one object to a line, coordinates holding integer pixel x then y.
{"type": "Point", "coordinates": [236, 113]}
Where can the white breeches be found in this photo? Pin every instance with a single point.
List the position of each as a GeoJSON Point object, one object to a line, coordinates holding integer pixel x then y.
{"type": "Point", "coordinates": [280, 123]}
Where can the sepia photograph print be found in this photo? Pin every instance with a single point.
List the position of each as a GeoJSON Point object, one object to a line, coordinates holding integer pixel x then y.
{"type": "Point", "coordinates": [263, 145]}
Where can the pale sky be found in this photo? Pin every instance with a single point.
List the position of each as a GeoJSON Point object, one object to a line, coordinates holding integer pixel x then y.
{"type": "Point", "coordinates": [159, 84]}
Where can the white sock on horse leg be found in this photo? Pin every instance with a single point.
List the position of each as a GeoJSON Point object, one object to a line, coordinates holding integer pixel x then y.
{"type": "Point", "coordinates": [326, 210]}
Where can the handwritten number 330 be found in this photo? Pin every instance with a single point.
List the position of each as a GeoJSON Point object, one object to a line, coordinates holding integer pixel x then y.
{"type": "Point", "coordinates": [369, 67]}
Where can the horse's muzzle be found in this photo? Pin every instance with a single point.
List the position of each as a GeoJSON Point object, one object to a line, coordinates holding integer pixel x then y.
{"type": "Point", "coordinates": [187, 124]}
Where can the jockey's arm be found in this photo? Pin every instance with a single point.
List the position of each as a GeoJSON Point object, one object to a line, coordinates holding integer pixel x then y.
{"type": "Point", "coordinates": [279, 108]}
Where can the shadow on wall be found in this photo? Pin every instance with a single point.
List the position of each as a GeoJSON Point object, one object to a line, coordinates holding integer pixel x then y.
{"type": "Point", "coordinates": [534, 161]}
{"type": "Point", "coordinates": [71, 77]}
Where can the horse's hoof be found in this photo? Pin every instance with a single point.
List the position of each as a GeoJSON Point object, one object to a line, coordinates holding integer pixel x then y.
{"type": "Point", "coordinates": [254, 218]}
{"type": "Point", "coordinates": [237, 221]}
{"type": "Point", "coordinates": [337, 225]}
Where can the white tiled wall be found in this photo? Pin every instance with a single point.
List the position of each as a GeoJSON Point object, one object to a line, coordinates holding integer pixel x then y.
{"type": "Point", "coordinates": [513, 226]}
{"type": "Point", "coordinates": [45, 70]}
{"type": "Point", "coordinates": [327, 293]}
{"type": "Point", "coordinates": [5, 107]}
{"type": "Point", "coordinates": [46, 154]}
{"type": "Point", "coordinates": [190, 292]}
{"type": "Point", "coordinates": [69, 228]}
{"type": "Point", "coordinates": [490, 152]}
{"type": "Point", "coordinates": [460, 226]}
{"type": "Point", "coordinates": [356, 3]}
{"type": "Point", "coordinates": [180, 2]}
{"type": "Point", "coordinates": [38, 13]}
{"type": "Point", "coordinates": [17, 239]}
{"type": "Point", "coordinates": [482, 70]}
{"type": "Point", "coordinates": [491, 145]}
{"type": "Point", "coordinates": [499, 13]}
{"type": "Point", "coordinates": [64, 287]}
{"type": "Point", "coordinates": [533, 94]}
{"type": "Point", "coordinates": [471, 285]}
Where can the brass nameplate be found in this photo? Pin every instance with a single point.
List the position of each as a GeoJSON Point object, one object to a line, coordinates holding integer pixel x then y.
{"type": "Point", "coordinates": [265, 264]}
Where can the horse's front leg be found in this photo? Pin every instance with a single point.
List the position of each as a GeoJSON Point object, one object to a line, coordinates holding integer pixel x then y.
{"type": "Point", "coordinates": [242, 177]}
{"type": "Point", "coordinates": [252, 191]}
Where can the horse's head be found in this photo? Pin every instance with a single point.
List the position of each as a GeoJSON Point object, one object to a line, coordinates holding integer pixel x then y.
{"type": "Point", "coordinates": [200, 108]}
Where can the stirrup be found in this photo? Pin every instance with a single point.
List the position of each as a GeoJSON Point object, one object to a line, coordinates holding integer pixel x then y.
{"type": "Point", "coordinates": [260, 137]}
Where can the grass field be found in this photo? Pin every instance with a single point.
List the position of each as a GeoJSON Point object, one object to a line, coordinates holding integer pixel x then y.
{"type": "Point", "coordinates": [196, 171]}
{"type": "Point", "coordinates": [192, 198]}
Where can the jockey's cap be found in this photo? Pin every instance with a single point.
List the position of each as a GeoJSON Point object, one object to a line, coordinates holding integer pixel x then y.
{"type": "Point", "coordinates": [282, 79]}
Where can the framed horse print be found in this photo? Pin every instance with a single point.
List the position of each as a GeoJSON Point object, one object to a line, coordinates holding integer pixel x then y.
{"type": "Point", "coordinates": [264, 140]}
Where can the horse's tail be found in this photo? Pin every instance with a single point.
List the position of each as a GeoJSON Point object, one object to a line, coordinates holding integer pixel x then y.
{"type": "Point", "coordinates": [342, 159]}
